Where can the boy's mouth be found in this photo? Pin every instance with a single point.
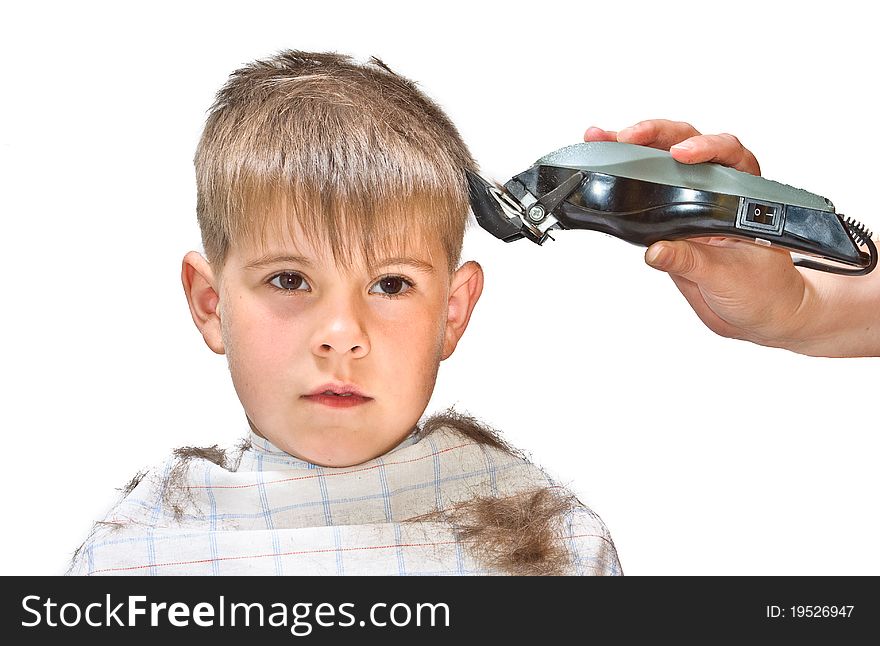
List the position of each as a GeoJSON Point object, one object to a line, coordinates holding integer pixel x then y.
{"type": "Point", "coordinates": [338, 395]}
{"type": "Point", "coordinates": [338, 388]}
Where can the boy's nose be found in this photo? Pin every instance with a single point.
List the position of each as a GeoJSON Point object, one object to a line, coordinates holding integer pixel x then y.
{"type": "Point", "coordinates": [341, 332]}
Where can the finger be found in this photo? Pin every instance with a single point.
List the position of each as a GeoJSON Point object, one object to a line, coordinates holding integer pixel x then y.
{"type": "Point", "coordinates": [657, 133]}
{"type": "Point", "coordinates": [723, 149]}
{"type": "Point", "coordinates": [720, 241]}
{"type": "Point", "coordinates": [692, 260]}
{"type": "Point", "coordinates": [712, 264]}
{"type": "Point", "coordinates": [676, 257]}
{"type": "Point", "coordinates": [597, 134]}
{"type": "Point", "coordinates": [710, 239]}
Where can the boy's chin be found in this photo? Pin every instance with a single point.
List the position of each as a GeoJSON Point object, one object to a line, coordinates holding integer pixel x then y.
{"type": "Point", "coordinates": [336, 445]}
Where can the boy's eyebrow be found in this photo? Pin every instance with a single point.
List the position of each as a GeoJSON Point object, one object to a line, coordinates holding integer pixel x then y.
{"type": "Point", "coordinates": [407, 260]}
{"type": "Point", "coordinates": [287, 258]}
{"type": "Point", "coordinates": [271, 260]}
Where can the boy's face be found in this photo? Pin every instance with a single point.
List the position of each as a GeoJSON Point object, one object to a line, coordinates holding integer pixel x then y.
{"type": "Point", "coordinates": [293, 324]}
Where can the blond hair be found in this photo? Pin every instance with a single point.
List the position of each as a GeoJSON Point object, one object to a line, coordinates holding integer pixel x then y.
{"type": "Point", "coordinates": [354, 154]}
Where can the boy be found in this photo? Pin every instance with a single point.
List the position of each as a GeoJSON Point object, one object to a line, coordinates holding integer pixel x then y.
{"type": "Point", "coordinates": [332, 203]}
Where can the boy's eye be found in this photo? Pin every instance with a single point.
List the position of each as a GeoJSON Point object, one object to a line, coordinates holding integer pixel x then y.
{"type": "Point", "coordinates": [289, 281]}
{"type": "Point", "coordinates": [391, 286]}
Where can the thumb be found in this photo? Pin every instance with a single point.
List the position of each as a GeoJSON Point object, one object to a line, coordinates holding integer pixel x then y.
{"type": "Point", "coordinates": [687, 259]}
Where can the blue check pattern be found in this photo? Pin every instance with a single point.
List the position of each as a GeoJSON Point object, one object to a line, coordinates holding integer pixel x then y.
{"type": "Point", "coordinates": [273, 513]}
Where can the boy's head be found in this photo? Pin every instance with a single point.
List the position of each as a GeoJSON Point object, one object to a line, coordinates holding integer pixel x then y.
{"type": "Point", "coordinates": [332, 203]}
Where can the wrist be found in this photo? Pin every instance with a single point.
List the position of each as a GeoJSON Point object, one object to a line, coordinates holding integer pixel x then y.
{"type": "Point", "coordinates": [811, 331]}
{"type": "Point", "coordinates": [839, 316]}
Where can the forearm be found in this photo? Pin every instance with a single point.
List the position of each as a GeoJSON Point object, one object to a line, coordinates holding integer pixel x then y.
{"type": "Point", "coordinates": [840, 317]}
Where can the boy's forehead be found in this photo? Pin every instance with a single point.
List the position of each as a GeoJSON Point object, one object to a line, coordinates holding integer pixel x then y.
{"type": "Point", "coordinates": [290, 243]}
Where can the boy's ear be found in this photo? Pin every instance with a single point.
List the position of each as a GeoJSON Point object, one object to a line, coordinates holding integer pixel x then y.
{"type": "Point", "coordinates": [464, 292]}
{"type": "Point", "coordinates": [204, 301]}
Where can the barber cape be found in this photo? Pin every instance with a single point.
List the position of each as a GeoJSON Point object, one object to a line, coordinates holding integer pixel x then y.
{"type": "Point", "coordinates": [273, 513]}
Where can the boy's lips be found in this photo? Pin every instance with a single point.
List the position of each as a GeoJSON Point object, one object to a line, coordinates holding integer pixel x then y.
{"type": "Point", "coordinates": [338, 388]}
{"type": "Point", "coordinates": [338, 395]}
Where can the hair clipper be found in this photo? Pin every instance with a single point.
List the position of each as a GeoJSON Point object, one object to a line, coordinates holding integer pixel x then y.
{"type": "Point", "coordinates": [642, 195]}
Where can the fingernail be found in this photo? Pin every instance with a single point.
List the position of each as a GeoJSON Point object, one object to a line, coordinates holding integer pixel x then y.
{"type": "Point", "coordinates": [658, 256]}
{"type": "Point", "coordinates": [684, 145]}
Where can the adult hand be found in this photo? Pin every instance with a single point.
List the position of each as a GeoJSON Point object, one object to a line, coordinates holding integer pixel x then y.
{"type": "Point", "coordinates": [746, 291]}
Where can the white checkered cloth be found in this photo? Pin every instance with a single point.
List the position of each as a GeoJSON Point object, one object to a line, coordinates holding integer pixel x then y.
{"type": "Point", "coordinates": [276, 514]}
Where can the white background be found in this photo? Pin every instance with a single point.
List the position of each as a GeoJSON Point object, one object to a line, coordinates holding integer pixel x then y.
{"type": "Point", "coordinates": [703, 455]}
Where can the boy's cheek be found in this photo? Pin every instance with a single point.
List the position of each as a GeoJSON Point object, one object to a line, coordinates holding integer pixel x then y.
{"type": "Point", "coordinates": [257, 356]}
{"type": "Point", "coordinates": [420, 366]}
